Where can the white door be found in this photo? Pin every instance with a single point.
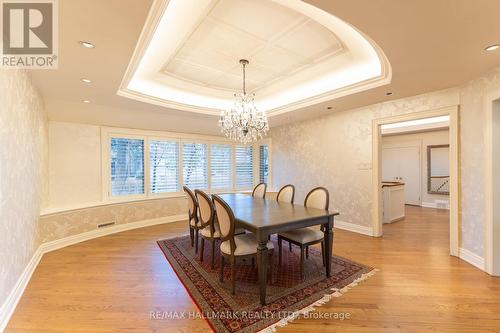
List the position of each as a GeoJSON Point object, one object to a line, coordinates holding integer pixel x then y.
{"type": "Point", "coordinates": [403, 164]}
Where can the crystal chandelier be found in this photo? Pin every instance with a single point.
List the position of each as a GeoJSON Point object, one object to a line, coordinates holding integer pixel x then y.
{"type": "Point", "coordinates": [243, 122]}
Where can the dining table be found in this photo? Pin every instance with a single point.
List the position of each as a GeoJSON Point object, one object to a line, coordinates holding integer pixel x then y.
{"type": "Point", "coordinates": [265, 217]}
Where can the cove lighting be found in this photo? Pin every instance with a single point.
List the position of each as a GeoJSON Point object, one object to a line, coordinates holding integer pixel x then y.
{"type": "Point", "coordinates": [425, 121]}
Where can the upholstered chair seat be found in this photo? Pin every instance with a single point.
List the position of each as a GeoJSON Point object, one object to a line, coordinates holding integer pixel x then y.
{"type": "Point", "coordinates": [317, 198]}
{"type": "Point", "coordinates": [206, 231]}
{"type": "Point", "coordinates": [304, 235]}
{"type": "Point", "coordinates": [245, 245]}
{"type": "Point", "coordinates": [235, 246]}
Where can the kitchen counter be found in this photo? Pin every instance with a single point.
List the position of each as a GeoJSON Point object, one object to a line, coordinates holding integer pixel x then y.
{"type": "Point", "coordinates": [393, 196]}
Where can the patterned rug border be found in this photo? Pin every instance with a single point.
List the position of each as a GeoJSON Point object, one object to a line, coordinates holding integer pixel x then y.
{"type": "Point", "coordinates": [325, 299]}
{"type": "Point", "coordinates": [336, 292]}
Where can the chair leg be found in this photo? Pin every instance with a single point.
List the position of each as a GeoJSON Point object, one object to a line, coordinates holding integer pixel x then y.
{"type": "Point", "coordinates": [191, 235]}
{"type": "Point", "coordinates": [301, 262]}
{"type": "Point", "coordinates": [280, 241]}
{"type": "Point", "coordinates": [290, 246]}
{"type": "Point", "coordinates": [221, 275]}
{"type": "Point", "coordinates": [196, 241]}
{"type": "Point", "coordinates": [213, 253]}
{"type": "Point", "coordinates": [253, 262]}
{"type": "Point", "coordinates": [202, 248]}
{"type": "Point", "coordinates": [323, 252]}
{"type": "Point", "coordinates": [233, 276]}
{"type": "Point", "coordinates": [307, 252]}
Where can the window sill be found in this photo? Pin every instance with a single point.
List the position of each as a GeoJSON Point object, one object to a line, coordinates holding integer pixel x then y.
{"type": "Point", "coordinates": [65, 209]}
{"type": "Point", "coordinates": [52, 210]}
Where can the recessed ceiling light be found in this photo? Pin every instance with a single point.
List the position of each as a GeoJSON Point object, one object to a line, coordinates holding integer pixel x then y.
{"type": "Point", "coordinates": [329, 107]}
{"type": "Point", "coordinates": [492, 47]}
{"type": "Point", "coordinates": [86, 80]}
{"type": "Point", "coordinates": [388, 93]}
{"type": "Point", "coordinates": [88, 45]}
{"type": "Point", "coordinates": [86, 101]}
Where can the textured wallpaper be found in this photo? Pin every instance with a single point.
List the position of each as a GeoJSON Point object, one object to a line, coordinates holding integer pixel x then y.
{"type": "Point", "coordinates": [23, 174]}
{"type": "Point", "coordinates": [60, 225]}
{"type": "Point", "coordinates": [472, 158]}
{"type": "Point", "coordinates": [336, 151]}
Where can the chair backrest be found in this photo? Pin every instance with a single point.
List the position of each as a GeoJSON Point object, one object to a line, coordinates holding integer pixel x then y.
{"type": "Point", "coordinates": [192, 205]}
{"type": "Point", "coordinates": [259, 191]}
{"type": "Point", "coordinates": [207, 210]}
{"type": "Point", "coordinates": [286, 194]}
{"type": "Point", "coordinates": [318, 198]}
{"type": "Point", "coordinates": [225, 216]}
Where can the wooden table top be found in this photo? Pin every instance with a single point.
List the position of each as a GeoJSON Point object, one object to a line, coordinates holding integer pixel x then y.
{"type": "Point", "coordinates": [256, 214]}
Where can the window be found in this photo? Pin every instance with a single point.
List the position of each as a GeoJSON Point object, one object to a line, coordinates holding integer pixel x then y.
{"type": "Point", "coordinates": [264, 164]}
{"type": "Point", "coordinates": [127, 166]}
{"type": "Point", "coordinates": [195, 165]}
{"type": "Point", "coordinates": [164, 166]}
{"type": "Point", "coordinates": [221, 163]}
{"type": "Point", "coordinates": [244, 166]}
{"type": "Point", "coordinates": [142, 164]}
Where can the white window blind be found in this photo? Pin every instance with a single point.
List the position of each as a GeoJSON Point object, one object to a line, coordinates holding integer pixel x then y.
{"type": "Point", "coordinates": [127, 166]}
{"type": "Point", "coordinates": [164, 166]}
{"type": "Point", "coordinates": [264, 164]}
{"type": "Point", "coordinates": [221, 166]}
{"type": "Point", "coordinates": [195, 165]}
{"type": "Point", "coordinates": [244, 166]}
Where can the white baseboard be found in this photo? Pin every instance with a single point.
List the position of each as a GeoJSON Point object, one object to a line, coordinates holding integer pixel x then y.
{"type": "Point", "coordinates": [471, 258]}
{"type": "Point", "coordinates": [432, 205]}
{"type": "Point", "coordinates": [368, 231]}
{"type": "Point", "coordinates": [67, 241]}
{"type": "Point", "coordinates": [8, 307]}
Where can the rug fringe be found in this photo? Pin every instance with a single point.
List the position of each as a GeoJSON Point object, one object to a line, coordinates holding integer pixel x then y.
{"type": "Point", "coordinates": [325, 299]}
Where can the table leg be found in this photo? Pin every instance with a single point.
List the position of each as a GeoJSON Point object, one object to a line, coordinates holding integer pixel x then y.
{"type": "Point", "coordinates": [262, 255]}
{"type": "Point", "coordinates": [328, 245]}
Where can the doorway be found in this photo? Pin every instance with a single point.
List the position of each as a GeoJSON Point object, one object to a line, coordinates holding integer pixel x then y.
{"type": "Point", "coordinates": [452, 114]}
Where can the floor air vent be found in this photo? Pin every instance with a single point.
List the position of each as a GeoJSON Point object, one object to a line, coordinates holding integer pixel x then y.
{"type": "Point", "coordinates": [107, 224]}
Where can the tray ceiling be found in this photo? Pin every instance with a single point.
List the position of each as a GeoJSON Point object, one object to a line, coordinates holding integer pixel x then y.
{"type": "Point", "coordinates": [187, 56]}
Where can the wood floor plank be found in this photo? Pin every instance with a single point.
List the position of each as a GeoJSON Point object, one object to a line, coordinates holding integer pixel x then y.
{"type": "Point", "coordinates": [113, 283]}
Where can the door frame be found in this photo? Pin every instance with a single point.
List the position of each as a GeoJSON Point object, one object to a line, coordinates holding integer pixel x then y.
{"type": "Point", "coordinates": [490, 98]}
{"type": "Point", "coordinates": [452, 112]}
{"type": "Point", "coordinates": [410, 144]}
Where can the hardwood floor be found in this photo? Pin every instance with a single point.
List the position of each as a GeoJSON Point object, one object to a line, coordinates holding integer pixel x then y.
{"type": "Point", "coordinates": [112, 284]}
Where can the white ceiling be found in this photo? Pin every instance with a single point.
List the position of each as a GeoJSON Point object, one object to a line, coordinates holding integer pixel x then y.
{"type": "Point", "coordinates": [187, 56]}
{"type": "Point", "coordinates": [275, 46]}
{"type": "Point", "coordinates": [431, 45]}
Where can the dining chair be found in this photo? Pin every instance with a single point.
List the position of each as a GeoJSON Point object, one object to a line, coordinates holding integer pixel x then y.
{"type": "Point", "coordinates": [304, 237]}
{"type": "Point", "coordinates": [194, 222]}
{"type": "Point", "coordinates": [210, 230]}
{"type": "Point", "coordinates": [259, 191]}
{"type": "Point", "coordinates": [235, 246]}
{"type": "Point", "coordinates": [286, 194]}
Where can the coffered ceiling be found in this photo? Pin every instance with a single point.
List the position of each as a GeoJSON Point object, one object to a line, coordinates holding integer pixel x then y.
{"type": "Point", "coordinates": [430, 45]}
{"type": "Point", "coordinates": [281, 44]}
{"type": "Point", "coordinates": [188, 56]}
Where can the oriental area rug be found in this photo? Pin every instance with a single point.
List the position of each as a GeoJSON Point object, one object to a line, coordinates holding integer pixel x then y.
{"type": "Point", "coordinates": [288, 295]}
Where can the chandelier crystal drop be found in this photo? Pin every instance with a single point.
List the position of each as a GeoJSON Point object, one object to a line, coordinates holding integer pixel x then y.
{"type": "Point", "coordinates": [243, 122]}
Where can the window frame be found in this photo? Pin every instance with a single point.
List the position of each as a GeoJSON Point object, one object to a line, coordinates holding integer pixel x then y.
{"type": "Point", "coordinates": [107, 133]}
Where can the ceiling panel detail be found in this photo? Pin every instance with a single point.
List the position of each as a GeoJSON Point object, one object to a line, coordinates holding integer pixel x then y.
{"type": "Point", "coordinates": [188, 55]}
